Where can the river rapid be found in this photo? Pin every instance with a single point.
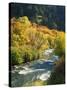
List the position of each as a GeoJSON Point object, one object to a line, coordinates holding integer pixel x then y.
{"type": "Point", "coordinates": [25, 75]}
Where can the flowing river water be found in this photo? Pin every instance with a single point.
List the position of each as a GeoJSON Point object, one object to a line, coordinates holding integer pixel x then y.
{"type": "Point", "coordinates": [38, 70]}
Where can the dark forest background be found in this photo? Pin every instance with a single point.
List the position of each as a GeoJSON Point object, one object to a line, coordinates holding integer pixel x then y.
{"type": "Point", "coordinates": [52, 16]}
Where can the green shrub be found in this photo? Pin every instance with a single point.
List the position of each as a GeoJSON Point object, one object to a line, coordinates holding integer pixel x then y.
{"type": "Point", "coordinates": [29, 54]}
{"type": "Point", "coordinates": [15, 56]}
{"type": "Point", "coordinates": [60, 44]}
{"type": "Point", "coordinates": [23, 55]}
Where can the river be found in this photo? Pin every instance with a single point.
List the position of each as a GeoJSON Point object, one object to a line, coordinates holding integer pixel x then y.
{"type": "Point", "coordinates": [38, 70]}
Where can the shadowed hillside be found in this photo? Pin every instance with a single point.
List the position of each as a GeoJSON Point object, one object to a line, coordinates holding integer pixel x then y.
{"type": "Point", "coordinates": [58, 76]}
{"type": "Point", "coordinates": [49, 15]}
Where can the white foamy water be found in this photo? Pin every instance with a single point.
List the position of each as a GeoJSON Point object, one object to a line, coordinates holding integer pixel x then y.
{"type": "Point", "coordinates": [54, 57]}
{"type": "Point", "coordinates": [48, 52]}
{"type": "Point", "coordinates": [45, 76]}
{"type": "Point", "coordinates": [29, 71]}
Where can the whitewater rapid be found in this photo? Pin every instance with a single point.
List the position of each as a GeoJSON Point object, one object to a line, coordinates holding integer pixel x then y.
{"type": "Point", "coordinates": [36, 70]}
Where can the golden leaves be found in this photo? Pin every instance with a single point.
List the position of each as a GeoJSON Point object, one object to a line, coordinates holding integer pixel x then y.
{"type": "Point", "coordinates": [40, 37]}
